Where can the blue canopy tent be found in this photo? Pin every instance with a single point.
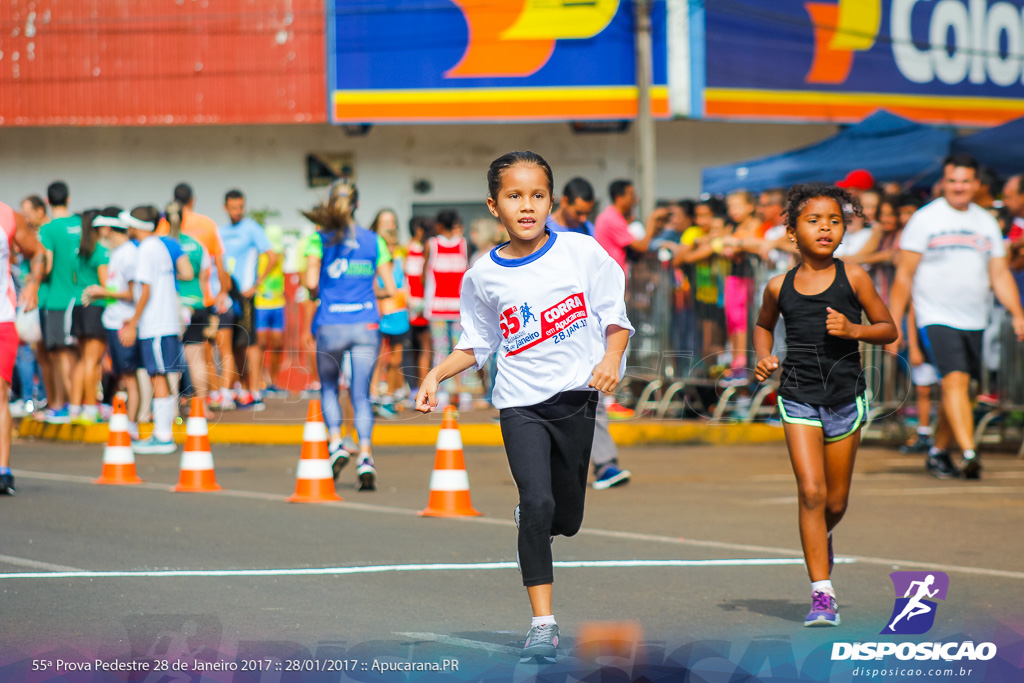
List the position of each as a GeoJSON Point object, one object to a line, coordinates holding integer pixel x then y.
{"type": "Point", "coordinates": [1000, 148]}
{"type": "Point", "coordinates": [889, 146]}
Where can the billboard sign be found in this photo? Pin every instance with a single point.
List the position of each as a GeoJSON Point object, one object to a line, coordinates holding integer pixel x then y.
{"type": "Point", "coordinates": [958, 62]}
{"type": "Point", "coordinates": [401, 61]}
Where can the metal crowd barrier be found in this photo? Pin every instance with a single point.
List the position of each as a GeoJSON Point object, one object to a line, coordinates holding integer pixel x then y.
{"type": "Point", "coordinates": [889, 388]}
{"type": "Point", "coordinates": [1007, 385]}
{"type": "Point", "coordinates": [678, 351]}
{"type": "Point", "coordinates": [681, 336]}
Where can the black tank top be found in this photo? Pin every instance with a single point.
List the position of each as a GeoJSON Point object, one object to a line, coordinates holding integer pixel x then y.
{"type": "Point", "coordinates": [818, 368]}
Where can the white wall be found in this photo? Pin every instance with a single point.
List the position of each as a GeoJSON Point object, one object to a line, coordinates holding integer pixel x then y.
{"type": "Point", "coordinates": [130, 166]}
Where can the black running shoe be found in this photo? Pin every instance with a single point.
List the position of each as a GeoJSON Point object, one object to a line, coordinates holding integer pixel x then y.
{"type": "Point", "coordinates": [339, 458]}
{"type": "Point", "coordinates": [367, 476]}
{"type": "Point", "coordinates": [941, 467]}
{"type": "Point", "coordinates": [923, 444]}
{"type": "Point", "coordinates": [7, 484]}
{"type": "Point", "coordinates": [971, 467]}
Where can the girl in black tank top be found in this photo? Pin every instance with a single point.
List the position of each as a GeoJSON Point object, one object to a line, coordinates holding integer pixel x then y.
{"type": "Point", "coordinates": [821, 392]}
{"type": "Point", "coordinates": [819, 368]}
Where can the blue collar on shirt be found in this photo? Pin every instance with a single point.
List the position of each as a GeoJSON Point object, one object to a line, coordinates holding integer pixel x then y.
{"type": "Point", "coordinates": [516, 262]}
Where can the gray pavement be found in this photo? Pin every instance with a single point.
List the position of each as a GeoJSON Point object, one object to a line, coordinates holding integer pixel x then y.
{"type": "Point", "coordinates": [704, 505]}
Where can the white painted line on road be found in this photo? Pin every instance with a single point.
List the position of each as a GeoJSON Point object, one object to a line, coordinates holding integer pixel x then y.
{"type": "Point", "coordinates": [36, 564]}
{"type": "Point", "coordinates": [250, 495]}
{"type": "Point", "coordinates": [604, 533]}
{"type": "Point", "coordinates": [382, 569]}
{"type": "Point", "coordinates": [461, 642]}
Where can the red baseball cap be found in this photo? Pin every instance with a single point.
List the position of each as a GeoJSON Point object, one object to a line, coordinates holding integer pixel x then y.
{"type": "Point", "coordinates": [859, 179]}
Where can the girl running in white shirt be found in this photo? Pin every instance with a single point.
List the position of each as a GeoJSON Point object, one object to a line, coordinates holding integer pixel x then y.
{"type": "Point", "coordinates": [553, 306]}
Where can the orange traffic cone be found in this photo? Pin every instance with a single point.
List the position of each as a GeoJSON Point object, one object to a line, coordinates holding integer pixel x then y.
{"type": "Point", "coordinates": [197, 474]}
{"type": "Point", "coordinates": [449, 484]}
{"type": "Point", "coordinates": [118, 458]}
{"type": "Point", "coordinates": [314, 481]}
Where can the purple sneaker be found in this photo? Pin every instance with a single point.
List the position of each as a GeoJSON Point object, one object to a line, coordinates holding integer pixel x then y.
{"type": "Point", "coordinates": [831, 555]}
{"type": "Point", "coordinates": [824, 610]}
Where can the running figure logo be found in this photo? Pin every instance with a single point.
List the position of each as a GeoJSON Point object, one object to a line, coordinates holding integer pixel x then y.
{"type": "Point", "coordinates": [526, 313]}
{"type": "Point", "coordinates": [914, 613]}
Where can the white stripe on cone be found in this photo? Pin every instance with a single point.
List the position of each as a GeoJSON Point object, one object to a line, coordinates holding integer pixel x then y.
{"type": "Point", "coordinates": [196, 426]}
{"type": "Point", "coordinates": [314, 468]}
{"type": "Point", "coordinates": [449, 440]}
{"type": "Point", "coordinates": [449, 480]}
{"type": "Point", "coordinates": [118, 455]}
{"type": "Point", "coordinates": [197, 460]}
{"type": "Point", "coordinates": [314, 432]}
{"type": "Point", "coordinates": [119, 422]}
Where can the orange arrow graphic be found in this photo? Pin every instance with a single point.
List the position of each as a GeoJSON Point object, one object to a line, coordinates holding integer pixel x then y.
{"type": "Point", "coordinates": [487, 55]}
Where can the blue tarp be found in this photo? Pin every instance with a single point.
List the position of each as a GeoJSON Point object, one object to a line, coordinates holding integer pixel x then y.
{"type": "Point", "coordinates": [889, 146]}
{"type": "Point", "coordinates": [1000, 148]}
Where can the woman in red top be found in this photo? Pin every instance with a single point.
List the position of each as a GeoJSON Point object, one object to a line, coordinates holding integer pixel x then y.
{"type": "Point", "coordinates": [420, 346]}
{"type": "Point", "coordinates": [447, 260]}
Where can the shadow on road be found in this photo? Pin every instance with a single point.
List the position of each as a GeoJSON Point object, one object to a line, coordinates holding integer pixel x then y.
{"type": "Point", "coordinates": [787, 610]}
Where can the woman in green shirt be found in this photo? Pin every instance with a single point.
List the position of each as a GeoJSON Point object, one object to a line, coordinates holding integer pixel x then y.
{"type": "Point", "coordinates": [86, 316]}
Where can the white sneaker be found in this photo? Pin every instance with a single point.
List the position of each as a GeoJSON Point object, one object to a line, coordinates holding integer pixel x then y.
{"type": "Point", "coordinates": [18, 409]}
{"type": "Point", "coordinates": [154, 446]}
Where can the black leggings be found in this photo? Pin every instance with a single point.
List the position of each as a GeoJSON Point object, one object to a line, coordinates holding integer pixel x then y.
{"type": "Point", "coordinates": [548, 448]}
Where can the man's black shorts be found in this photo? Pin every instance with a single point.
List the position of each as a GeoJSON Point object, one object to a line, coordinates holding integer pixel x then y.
{"type": "Point", "coordinates": [953, 350]}
{"type": "Point", "coordinates": [56, 328]}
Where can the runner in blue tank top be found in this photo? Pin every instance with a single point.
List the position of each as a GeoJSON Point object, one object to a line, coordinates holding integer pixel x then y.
{"type": "Point", "coordinates": [342, 265]}
{"type": "Point", "coordinates": [821, 393]}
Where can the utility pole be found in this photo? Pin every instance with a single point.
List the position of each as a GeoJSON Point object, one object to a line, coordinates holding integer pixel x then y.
{"type": "Point", "coordinates": [644, 122]}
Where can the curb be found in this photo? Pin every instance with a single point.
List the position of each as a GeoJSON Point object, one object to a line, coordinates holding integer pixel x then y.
{"type": "Point", "coordinates": [631, 433]}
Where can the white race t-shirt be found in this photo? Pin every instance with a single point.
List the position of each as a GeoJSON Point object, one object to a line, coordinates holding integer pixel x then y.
{"type": "Point", "coordinates": [951, 285]}
{"type": "Point", "coordinates": [546, 316]}
{"type": "Point", "coordinates": [120, 271]}
{"type": "Point", "coordinates": [160, 317]}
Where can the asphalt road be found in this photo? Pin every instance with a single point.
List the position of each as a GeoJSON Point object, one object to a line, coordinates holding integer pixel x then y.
{"type": "Point", "coordinates": [702, 507]}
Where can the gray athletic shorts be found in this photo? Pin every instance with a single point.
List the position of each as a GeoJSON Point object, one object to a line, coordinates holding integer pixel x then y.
{"type": "Point", "coordinates": [836, 422]}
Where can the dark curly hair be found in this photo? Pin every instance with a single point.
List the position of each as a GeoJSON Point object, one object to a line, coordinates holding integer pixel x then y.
{"type": "Point", "coordinates": [799, 195]}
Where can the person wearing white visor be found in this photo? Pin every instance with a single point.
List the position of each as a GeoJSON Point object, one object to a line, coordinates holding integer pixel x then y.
{"type": "Point", "coordinates": [155, 322]}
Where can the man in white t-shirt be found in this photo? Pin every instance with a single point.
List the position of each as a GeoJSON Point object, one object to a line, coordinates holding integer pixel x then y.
{"type": "Point", "coordinates": [156, 323]}
{"type": "Point", "coordinates": [951, 257]}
